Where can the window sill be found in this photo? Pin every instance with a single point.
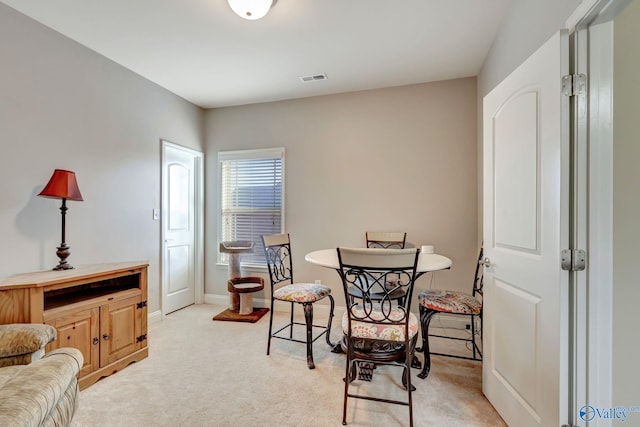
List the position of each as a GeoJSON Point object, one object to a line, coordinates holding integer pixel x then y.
{"type": "Point", "coordinates": [250, 267]}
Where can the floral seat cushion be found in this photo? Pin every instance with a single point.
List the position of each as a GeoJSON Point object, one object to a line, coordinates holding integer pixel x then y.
{"type": "Point", "coordinates": [449, 301]}
{"type": "Point", "coordinates": [301, 292]}
{"type": "Point", "coordinates": [379, 331]}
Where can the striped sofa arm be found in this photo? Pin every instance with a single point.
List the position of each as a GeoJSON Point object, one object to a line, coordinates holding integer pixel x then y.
{"type": "Point", "coordinates": [23, 343]}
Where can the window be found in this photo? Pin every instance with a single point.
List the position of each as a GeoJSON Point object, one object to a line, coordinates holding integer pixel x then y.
{"type": "Point", "coordinates": [251, 199]}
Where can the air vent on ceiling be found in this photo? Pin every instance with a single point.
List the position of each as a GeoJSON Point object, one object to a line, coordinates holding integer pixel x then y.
{"type": "Point", "coordinates": [314, 78]}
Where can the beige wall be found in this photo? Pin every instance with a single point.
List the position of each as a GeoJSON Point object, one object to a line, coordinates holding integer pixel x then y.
{"type": "Point", "coordinates": [626, 207]}
{"type": "Point", "coordinates": [525, 27]}
{"type": "Point", "coordinates": [401, 158]}
{"type": "Point", "coordinates": [64, 106]}
{"type": "Point", "coordinates": [393, 159]}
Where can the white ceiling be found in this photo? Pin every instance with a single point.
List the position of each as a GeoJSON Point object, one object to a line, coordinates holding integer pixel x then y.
{"type": "Point", "coordinates": [203, 52]}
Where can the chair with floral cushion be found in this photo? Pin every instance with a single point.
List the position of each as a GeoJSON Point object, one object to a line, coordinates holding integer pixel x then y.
{"type": "Point", "coordinates": [277, 251]}
{"type": "Point", "coordinates": [379, 329]}
{"type": "Point", "coordinates": [386, 239]}
{"type": "Point", "coordinates": [435, 301]}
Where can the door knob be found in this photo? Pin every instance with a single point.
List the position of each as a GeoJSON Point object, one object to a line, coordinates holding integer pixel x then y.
{"type": "Point", "coordinates": [486, 262]}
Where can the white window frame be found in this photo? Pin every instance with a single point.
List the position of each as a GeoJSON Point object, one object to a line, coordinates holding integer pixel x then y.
{"type": "Point", "coordinates": [255, 154]}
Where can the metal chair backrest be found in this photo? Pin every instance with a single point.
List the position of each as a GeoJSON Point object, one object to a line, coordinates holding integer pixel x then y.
{"type": "Point", "coordinates": [277, 251]}
{"type": "Point", "coordinates": [385, 239]}
{"type": "Point", "coordinates": [479, 278]}
{"type": "Point", "coordinates": [378, 274]}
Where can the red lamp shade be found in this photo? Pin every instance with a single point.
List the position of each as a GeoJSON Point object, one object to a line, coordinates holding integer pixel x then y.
{"type": "Point", "coordinates": [62, 185]}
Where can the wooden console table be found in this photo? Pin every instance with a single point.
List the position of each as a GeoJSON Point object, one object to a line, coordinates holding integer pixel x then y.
{"type": "Point", "coordinates": [101, 309]}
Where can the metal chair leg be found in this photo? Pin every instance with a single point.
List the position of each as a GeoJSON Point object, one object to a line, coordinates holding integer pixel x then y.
{"type": "Point", "coordinates": [348, 377]}
{"type": "Point", "coordinates": [425, 319]}
{"type": "Point", "coordinates": [291, 320]}
{"type": "Point", "coordinates": [410, 388]}
{"type": "Point", "coordinates": [308, 316]}
{"type": "Point", "coordinates": [473, 335]}
{"type": "Point", "coordinates": [270, 327]}
{"type": "Point", "coordinates": [410, 360]}
{"type": "Point", "coordinates": [329, 323]}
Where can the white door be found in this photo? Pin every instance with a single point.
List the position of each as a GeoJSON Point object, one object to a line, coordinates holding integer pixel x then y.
{"type": "Point", "coordinates": [526, 165]}
{"type": "Point", "coordinates": [180, 182]}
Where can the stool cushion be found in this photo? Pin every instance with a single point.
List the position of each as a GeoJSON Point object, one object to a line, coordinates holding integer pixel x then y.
{"type": "Point", "coordinates": [449, 301]}
{"type": "Point", "coordinates": [379, 331]}
{"type": "Point", "coordinates": [301, 292]}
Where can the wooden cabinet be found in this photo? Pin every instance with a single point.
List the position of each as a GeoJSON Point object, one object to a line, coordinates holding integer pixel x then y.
{"type": "Point", "coordinates": [79, 330]}
{"type": "Point", "coordinates": [99, 309]}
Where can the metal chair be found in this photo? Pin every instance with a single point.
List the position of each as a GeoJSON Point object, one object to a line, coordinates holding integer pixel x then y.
{"type": "Point", "coordinates": [378, 329]}
{"type": "Point", "coordinates": [277, 251]}
{"type": "Point", "coordinates": [435, 301]}
{"type": "Point", "coordinates": [386, 239]}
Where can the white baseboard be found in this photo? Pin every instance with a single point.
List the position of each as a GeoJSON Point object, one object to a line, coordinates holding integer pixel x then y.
{"type": "Point", "coordinates": [224, 300]}
{"type": "Point", "coordinates": [320, 309]}
{"type": "Point", "coordinates": [155, 316]}
{"type": "Point", "coordinates": [438, 321]}
{"type": "Point", "coordinates": [451, 321]}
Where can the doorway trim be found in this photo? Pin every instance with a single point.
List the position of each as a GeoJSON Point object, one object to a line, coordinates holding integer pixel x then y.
{"type": "Point", "coordinates": [199, 221]}
{"type": "Point", "coordinates": [592, 27]}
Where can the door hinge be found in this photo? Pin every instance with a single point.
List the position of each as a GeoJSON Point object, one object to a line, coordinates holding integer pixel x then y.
{"type": "Point", "coordinates": [141, 338]}
{"type": "Point", "coordinates": [141, 304]}
{"type": "Point", "coordinates": [573, 259]}
{"type": "Point", "coordinates": [574, 84]}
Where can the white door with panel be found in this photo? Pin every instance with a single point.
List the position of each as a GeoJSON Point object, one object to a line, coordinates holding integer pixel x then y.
{"type": "Point", "coordinates": [526, 201]}
{"type": "Point", "coordinates": [179, 206]}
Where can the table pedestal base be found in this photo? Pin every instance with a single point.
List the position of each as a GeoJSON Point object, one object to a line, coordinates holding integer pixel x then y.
{"type": "Point", "coordinates": [381, 351]}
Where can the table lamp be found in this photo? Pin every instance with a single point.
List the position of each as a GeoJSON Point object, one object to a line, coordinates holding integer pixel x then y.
{"type": "Point", "coordinates": [62, 185]}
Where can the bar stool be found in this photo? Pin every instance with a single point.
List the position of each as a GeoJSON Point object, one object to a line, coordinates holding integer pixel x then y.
{"type": "Point", "coordinates": [242, 289]}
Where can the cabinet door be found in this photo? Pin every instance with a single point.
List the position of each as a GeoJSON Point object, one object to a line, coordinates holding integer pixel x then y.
{"type": "Point", "coordinates": [79, 330]}
{"type": "Point", "coordinates": [120, 327]}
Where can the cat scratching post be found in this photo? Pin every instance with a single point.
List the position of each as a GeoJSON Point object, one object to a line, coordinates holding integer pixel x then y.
{"type": "Point", "coordinates": [241, 291]}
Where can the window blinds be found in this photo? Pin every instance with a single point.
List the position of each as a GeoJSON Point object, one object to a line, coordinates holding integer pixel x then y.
{"type": "Point", "coordinates": [251, 198]}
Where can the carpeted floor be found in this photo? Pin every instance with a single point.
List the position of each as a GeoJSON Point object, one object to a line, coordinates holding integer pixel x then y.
{"type": "Point", "coordinates": [206, 373]}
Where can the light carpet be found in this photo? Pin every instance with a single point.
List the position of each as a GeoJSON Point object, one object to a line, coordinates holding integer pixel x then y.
{"type": "Point", "coordinates": [204, 373]}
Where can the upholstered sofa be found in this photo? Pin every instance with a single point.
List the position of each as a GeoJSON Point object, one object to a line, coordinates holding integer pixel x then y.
{"type": "Point", "coordinates": [36, 389]}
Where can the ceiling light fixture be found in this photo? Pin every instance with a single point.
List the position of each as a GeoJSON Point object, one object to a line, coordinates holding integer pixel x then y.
{"type": "Point", "coordinates": [251, 9]}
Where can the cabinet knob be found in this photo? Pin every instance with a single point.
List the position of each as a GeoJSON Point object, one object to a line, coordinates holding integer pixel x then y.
{"type": "Point", "coordinates": [105, 337]}
{"type": "Point", "coordinates": [96, 340]}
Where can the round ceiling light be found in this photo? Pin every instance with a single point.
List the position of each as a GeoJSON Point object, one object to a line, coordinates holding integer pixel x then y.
{"type": "Point", "coordinates": [251, 9]}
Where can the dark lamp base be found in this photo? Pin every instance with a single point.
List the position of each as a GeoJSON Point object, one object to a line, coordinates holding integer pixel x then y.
{"type": "Point", "coordinates": [63, 252]}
